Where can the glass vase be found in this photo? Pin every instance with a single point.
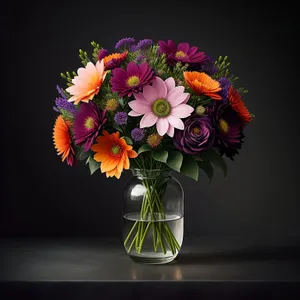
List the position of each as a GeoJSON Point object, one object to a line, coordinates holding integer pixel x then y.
{"type": "Point", "coordinates": [153, 214]}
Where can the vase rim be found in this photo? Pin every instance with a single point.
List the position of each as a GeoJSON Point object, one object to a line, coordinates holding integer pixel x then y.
{"type": "Point", "coordinates": [150, 173]}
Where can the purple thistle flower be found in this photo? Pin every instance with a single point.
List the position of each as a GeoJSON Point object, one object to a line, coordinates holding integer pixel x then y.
{"type": "Point", "coordinates": [125, 43]}
{"type": "Point", "coordinates": [137, 134]}
{"type": "Point", "coordinates": [209, 67]}
{"type": "Point", "coordinates": [102, 53]}
{"type": "Point", "coordinates": [63, 103]}
{"type": "Point", "coordinates": [144, 44]}
{"type": "Point", "coordinates": [140, 58]}
{"type": "Point", "coordinates": [121, 118]}
{"type": "Point", "coordinates": [132, 48]}
{"type": "Point", "coordinates": [225, 85]}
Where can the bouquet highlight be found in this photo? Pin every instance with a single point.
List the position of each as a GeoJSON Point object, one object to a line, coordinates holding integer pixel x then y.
{"type": "Point", "coordinates": [150, 106]}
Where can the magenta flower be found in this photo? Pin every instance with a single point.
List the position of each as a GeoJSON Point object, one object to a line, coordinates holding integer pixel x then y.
{"type": "Point", "coordinates": [88, 122]}
{"type": "Point", "coordinates": [181, 53]}
{"type": "Point", "coordinates": [131, 80]}
{"type": "Point", "coordinates": [162, 104]}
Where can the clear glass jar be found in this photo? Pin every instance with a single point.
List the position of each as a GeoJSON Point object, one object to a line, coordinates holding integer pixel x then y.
{"type": "Point", "coordinates": [153, 211]}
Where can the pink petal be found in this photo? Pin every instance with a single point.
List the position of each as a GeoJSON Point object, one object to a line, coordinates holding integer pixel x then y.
{"type": "Point", "coordinates": [150, 94]}
{"type": "Point", "coordinates": [187, 98]}
{"type": "Point", "coordinates": [182, 111]}
{"type": "Point", "coordinates": [148, 120]}
{"type": "Point", "coordinates": [170, 82]}
{"type": "Point", "coordinates": [91, 69]}
{"type": "Point", "coordinates": [100, 67]}
{"type": "Point", "coordinates": [175, 122]}
{"type": "Point", "coordinates": [139, 107]}
{"type": "Point", "coordinates": [176, 96]}
{"type": "Point", "coordinates": [160, 87]}
{"type": "Point", "coordinates": [184, 47]}
{"type": "Point", "coordinates": [139, 97]}
{"type": "Point", "coordinates": [170, 131]}
{"type": "Point", "coordinates": [162, 126]}
{"type": "Point", "coordinates": [133, 113]}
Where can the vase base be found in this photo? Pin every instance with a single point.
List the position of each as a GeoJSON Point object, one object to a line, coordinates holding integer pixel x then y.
{"type": "Point", "coordinates": [153, 260]}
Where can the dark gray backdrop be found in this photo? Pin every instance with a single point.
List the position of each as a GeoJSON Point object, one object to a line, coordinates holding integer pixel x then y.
{"type": "Point", "coordinates": [43, 197]}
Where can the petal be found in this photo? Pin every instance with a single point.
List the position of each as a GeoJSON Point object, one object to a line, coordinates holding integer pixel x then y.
{"type": "Point", "coordinates": [182, 111]}
{"type": "Point", "coordinates": [131, 154]}
{"type": "Point", "coordinates": [91, 69]}
{"type": "Point", "coordinates": [176, 96]}
{"type": "Point", "coordinates": [160, 87]}
{"type": "Point", "coordinates": [170, 131]}
{"type": "Point", "coordinates": [100, 67]}
{"type": "Point", "coordinates": [132, 69]}
{"type": "Point", "coordinates": [162, 126]}
{"type": "Point", "coordinates": [186, 99]}
{"type": "Point", "coordinates": [184, 47]}
{"type": "Point", "coordinates": [139, 97]}
{"type": "Point", "coordinates": [150, 94]}
{"type": "Point", "coordinates": [170, 82]}
{"type": "Point", "coordinates": [139, 107]}
{"type": "Point", "coordinates": [133, 113]}
{"type": "Point", "coordinates": [126, 162]}
{"type": "Point", "coordinates": [148, 120]}
{"type": "Point", "coordinates": [109, 164]}
{"type": "Point", "coordinates": [175, 122]}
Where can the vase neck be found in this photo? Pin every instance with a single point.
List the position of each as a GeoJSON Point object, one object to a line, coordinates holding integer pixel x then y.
{"type": "Point", "coordinates": [151, 173]}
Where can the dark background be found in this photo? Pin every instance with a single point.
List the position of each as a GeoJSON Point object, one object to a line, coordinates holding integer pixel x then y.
{"type": "Point", "coordinates": [43, 197]}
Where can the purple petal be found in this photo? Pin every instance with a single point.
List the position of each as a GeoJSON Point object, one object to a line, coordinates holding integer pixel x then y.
{"type": "Point", "coordinates": [184, 47]}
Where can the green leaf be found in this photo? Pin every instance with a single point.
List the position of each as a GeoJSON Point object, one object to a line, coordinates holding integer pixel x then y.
{"type": "Point", "coordinates": [116, 126]}
{"type": "Point", "coordinates": [121, 102]}
{"type": "Point", "coordinates": [207, 168]}
{"type": "Point", "coordinates": [174, 160]}
{"type": "Point", "coordinates": [127, 140]}
{"type": "Point", "coordinates": [190, 167]}
{"type": "Point", "coordinates": [160, 155]}
{"type": "Point", "coordinates": [215, 158]}
{"type": "Point", "coordinates": [81, 154]}
{"type": "Point", "coordinates": [93, 165]}
{"type": "Point", "coordinates": [144, 148]}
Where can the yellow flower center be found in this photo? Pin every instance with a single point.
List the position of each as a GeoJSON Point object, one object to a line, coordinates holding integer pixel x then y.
{"type": "Point", "coordinates": [223, 126]}
{"type": "Point", "coordinates": [133, 81]}
{"type": "Point", "coordinates": [196, 130]}
{"type": "Point", "coordinates": [115, 149]}
{"type": "Point", "coordinates": [180, 54]}
{"type": "Point", "coordinates": [89, 123]}
{"type": "Point", "coordinates": [161, 108]}
{"type": "Point", "coordinates": [111, 105]}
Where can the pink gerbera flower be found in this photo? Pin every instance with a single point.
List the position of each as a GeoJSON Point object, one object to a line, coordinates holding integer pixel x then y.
{"type": "Point", "coordinates": [163, 104]}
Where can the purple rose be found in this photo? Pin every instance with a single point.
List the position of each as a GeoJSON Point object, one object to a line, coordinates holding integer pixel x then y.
{"type": "Point", "coordinates": [198, 135]}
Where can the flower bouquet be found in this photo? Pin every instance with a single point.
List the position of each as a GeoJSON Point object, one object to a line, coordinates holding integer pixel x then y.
{"type": "Point", "coordinates": [152, 108]}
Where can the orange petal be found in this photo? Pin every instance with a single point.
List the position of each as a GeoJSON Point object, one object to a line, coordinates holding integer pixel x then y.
{"type": "Point", "coordinates": [109, 164]}
{"type": "Point", "coordinates": [126, 162]}
{"type": "Point", "coordinates": [111, 173]}
{"type": "Point", "coordinates": [132, 154]}
{"type": "Point", "coordinates": [121, 163]}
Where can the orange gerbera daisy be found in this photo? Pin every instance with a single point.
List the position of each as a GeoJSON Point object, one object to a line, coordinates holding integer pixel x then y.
{"type": "Point", "coordinates": [202, 83]}
{"type": "Point", "coordinates": [62, 140]}
{"type": "Point", "coordinates": [235, 99]}
{"type": "Point", "coordinates": [114, 60]}
{"type": "Point", "coordinates": [88, 82]}
{"type": "Point", "coordinates": [113, 153]}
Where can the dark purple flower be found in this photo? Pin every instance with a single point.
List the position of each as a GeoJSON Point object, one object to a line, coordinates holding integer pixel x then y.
{"type": "Point", "coordinates": [181, 53]}
{"type": "Point", "coordinates": [125, 43]}
{"type": "Point", "coordinates": [62, 103]}
{"type": "Point", "coordinates": [198, 135]}
{"type": "Point", "coordinates": [132, 48]}
{"type": "Point", "coordinates": [225, 85]}
{"type": "Point", "coordinates": [208, 67]}
{"type": "Point", "coordinates": [102, 53]}
{"type": "Point", "coordinates": [131, 80]}
{"type": "Point", "coordinates": [144, 44]}
{"type": "Point", "coordinates": [88, 122]}
{"type": "Point", "coordinates": [121, 118]}
{"type": "Point", "coordinates": [140, 58]}
{"type": "Point", "coordinates": [228, 126]}
{"type": "Point", "coordinates": [137, 134]}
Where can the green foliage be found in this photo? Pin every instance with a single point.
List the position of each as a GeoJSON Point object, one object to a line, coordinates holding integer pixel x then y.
{"type": "Point", "coordinates": [127, 140]}
{"type": "Point", "coordinates": [96, 49]}
{"type": "Point", "coordinates": [207, 168]}
{"type": "Point", "coordinates": [242, 90]}
{"type": "Point", "coordinates": [222, 64]}
{"type": "Point", "coordinates": [144, 148]}
{"type": "Point", "coordinates": [83, 57]}
{"type": "Point", "coordinates": [66, 115]}
{"type": "Point", "coordinates": [189, 167]}
{"type": "Point", "coordinates": [81, 154]}
{"type": "Point", "coordinates": [196, 100]}
{"type": "Point", "coordinates": [215, 158]}
{"type": "Point", "coordinates": [160, 155]}
{"type": "Point", "coordinates": [68, 77]}
{"type": "Point", "coordinates": [174, 160]}
{"type": "Point", "coordinates": [93, 165]}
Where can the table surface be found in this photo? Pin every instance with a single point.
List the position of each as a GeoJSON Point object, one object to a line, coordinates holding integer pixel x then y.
{"type": "Point", "coordinates": [105, 259]}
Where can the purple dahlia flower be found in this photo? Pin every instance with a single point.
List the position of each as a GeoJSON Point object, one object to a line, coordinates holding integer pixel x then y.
{"type": "Point", "coordinates": [182, 53]}
{"type": "Point", "coordinates": [131, 80]}
{"type": "Point", "coordinates": [198, 135]}
{"type": "Point", "coordinates": [228, 126]}
{"type": "Point", "coordinates": [88, 122]}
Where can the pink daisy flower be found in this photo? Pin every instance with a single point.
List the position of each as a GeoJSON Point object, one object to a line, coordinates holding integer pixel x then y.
{"type": "Point", "coordinates": [163, 104]}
